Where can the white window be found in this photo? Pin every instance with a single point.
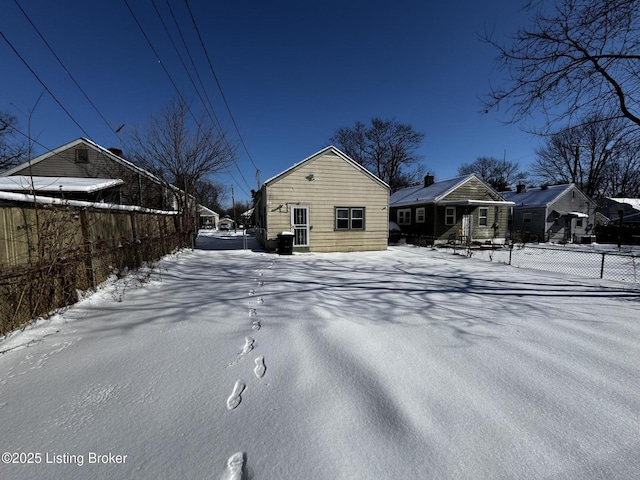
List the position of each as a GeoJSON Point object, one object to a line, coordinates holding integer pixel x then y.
{"type": "Point", "coordinates": [404, 216]}
{"type": "Point", "coordinates": [420, 216]}
{"type": "Point", "coordinates": [450, 216]}
{"type": "Point", "coordinates": [350, 218]}
{"type": "Point", "coordinates": [483, 216]}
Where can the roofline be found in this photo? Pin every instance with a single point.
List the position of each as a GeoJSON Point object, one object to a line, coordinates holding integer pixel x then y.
{"type": "Point", "coordinates": [470, 202]}
{"type": "Point", "coordinates": [438, 200]}
{"type": "Point", "coordinates": [462, 181]}
{"type": "Point", "coordinates": [94, 145]}
{"type": "Point", "coordinates": [98, 185]}
{"type": "Point", "coordinates": [338, 152]}
{"type": "Point", "coordinates": [45, 200]}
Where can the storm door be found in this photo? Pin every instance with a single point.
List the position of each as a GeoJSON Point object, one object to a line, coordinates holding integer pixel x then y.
{"type": "Point", "coordinates": [300, 226]}
{"type": "Point", "coordinates": [467, 225]}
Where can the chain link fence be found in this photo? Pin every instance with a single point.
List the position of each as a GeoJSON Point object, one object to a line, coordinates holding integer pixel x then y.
{"type": "Point", "coordinates": [593, 261]}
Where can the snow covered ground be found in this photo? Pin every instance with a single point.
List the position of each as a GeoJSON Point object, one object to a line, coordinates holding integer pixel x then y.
{"type": "Point", "coordinates": [402, 364]}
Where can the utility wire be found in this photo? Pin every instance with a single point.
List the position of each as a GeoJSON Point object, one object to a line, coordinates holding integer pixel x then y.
{"type": "Point", "coordinates": [64, 67]}
{"type": "Point", "coordinates": [193, 64]}
{"type": "Point", "coordinates": [45, 86]}
{"type": "Point", "coordinates": [224, 98]}
{"type": "Point", "coordinates": [135, 18]}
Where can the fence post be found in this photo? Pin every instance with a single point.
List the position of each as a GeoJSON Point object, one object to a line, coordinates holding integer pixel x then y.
{"type": "Point", "coordinates": [510, 252]}
{"type": "Point", "coordinates": [136, 240]}
{"type": "Point", "coordinates": [602, 267]}
{"type": "Point", "coordinates": [87, 250]}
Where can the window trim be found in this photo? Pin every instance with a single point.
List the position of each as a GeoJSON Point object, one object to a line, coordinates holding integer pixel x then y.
{"type": "Point", "coordinates": [421, 215]}
{"type": "Point", "coordinates": [449, 216]}
{"type": "Point", "coordinates": [405, 213]}
{"type": "Point", "coordinates": [349, 218]}
{"type": "Point", "coordinates": [82, 155]}
{"type": "Point", "coordinates": [527, 217]}
{"type": "Point", "coordinates": [483, 217]}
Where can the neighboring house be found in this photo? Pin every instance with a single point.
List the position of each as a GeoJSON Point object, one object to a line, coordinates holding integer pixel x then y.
{"type": "Point", "coordinates": [84, 158]}
{"type": "Point", "coordinates": [328, 201]}
{"type": "Point", "coordinates": [207, 217]}
{"type": "Point", "coordinates": [557, 213]}
{"type": "Point", "coordinates": [226, 223]}
{"type": "Point", "coordinates": [627, 208]}
{"type": "Point", "coordinates": [96, 190]}
{"type": "Point", "coordinates": [463, 209]}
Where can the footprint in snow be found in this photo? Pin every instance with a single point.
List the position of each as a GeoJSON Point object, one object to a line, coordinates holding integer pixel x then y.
{"type": "Point", "coordinates": [235, 398]}
{"type": "Point", "coordinates": [253, 312]}
{"type": "Point", "coordinates": [256, 325]}
{"type": "Point", "coordinates": [248, 345]}
{"type": "Point", "coordinates": [261, 368]}
{"type": "Point", "coordinates": [252, 292]}
{"type": "Point", "coordinates": [260, 300]}
{"type": "Point", "coordinates": [234, 467]}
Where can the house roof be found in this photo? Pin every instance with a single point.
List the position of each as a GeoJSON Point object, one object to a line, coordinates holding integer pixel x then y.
{"type": "Point", "coordinates": [21, 183]}
{"type": "Point", "coordinates": [633, 202]}
{"type": "Point", "coordinates": [206, 212]}
{"type": "Point", "coordinates": [437, 191]}
{"type": "Point", "coordinates": [333, 150]}
{"type": "Point", "coordinates": [95, 146]}
{"type": "Point", "coordinates": [538, 197]}
{"type": "Point", "coordinates": [47, 200]}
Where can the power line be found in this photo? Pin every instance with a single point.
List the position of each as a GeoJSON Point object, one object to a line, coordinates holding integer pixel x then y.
{"type": "Point", "coordinates": [224, 98]}
{"type": "Point", "coordinates": [148, 40]}
{"type": "Point", "coordinates": [64, 67]}
{"type": "Point", "coordinates": [44, 85]}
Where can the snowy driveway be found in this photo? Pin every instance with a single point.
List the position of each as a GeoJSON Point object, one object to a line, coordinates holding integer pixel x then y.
{"type": "Point", "coordinates": [385, 365]}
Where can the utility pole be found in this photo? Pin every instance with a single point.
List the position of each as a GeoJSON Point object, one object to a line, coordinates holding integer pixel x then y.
{"type": "Point", "coordinates": [233, 208]}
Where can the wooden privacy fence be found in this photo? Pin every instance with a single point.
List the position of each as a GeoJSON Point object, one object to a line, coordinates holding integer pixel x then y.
{"type": "Point", "coordinates": [49, 254]}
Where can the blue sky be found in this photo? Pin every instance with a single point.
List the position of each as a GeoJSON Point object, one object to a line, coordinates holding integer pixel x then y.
{"type": "Point", "coordinates": [291, 73]}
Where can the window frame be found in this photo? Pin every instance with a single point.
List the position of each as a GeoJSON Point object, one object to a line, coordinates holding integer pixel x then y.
{"type": "Point", "coordinates": [350, 219]}
{"type": "Point", "coordinates": [81, 155]}
{"type": "Point", "coordinates": [421, 216]}
{"type": "Point", "coordinates": [527, 217]}
{"type": "Point", "coordinates": [405, 213]}
{"type": "Point", "coordinates": [482, 217]}
{"type": "Point", "coordinates": [450, 216]}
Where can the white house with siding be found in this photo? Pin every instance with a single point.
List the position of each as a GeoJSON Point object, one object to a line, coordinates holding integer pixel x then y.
{"type": "Point", "coordinates": [328, 201]}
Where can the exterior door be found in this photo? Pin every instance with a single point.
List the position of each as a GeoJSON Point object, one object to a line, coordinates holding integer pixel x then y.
{"type": "Point", "coordinates": [300, 226]}
{"type": "Point", "coordinates": [467, 223]}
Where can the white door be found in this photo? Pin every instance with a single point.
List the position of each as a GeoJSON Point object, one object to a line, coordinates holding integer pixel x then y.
{"type": "Point", "coordinates": [300, 226]}
{"type": "Point", "coordinates": [467, 223]}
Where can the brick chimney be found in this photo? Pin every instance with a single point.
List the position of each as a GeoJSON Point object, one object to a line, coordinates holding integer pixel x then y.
{"type": "Point", "coordinates": [115, 151]}
{"type": "Point", "coordinates": [521, 187]}
{"type": "Point", "coordinates": [428, 180]}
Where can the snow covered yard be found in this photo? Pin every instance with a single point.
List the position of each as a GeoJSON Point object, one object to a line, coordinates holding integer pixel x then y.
{"type": "Point", "coordinates": [407, 363]}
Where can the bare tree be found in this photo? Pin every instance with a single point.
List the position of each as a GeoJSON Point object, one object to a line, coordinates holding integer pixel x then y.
{"type": "Point", "coordinates": [598, 156]}
{"type": "Point", "coordinates": [500, 174]}
{"type": "Point", "coordinates": [387, 148]}
{"type": "Point", "coordinates": [622, 172]}
{"type": "Point", "coordinates": [210, 194]}
{"type": "Point", "coordinates": [12, 151]}
{"type": "Point", "coordinates": [580, 60]}
{"type": "Point", "coordinates": [181, 150]}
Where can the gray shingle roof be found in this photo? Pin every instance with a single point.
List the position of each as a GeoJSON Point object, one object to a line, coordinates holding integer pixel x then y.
{"type": "Point", "coordinates": [537, 197]}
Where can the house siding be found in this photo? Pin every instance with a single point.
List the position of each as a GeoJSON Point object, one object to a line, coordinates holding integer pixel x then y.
{"type": "Point", "coordinates": [336, 183]}
{"type": "Point", "coordinates": [434, 226]}
{"type": "Point", "coordinates": [549, 222]}
{"type": "Point", "coordinates": [138, 189]}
